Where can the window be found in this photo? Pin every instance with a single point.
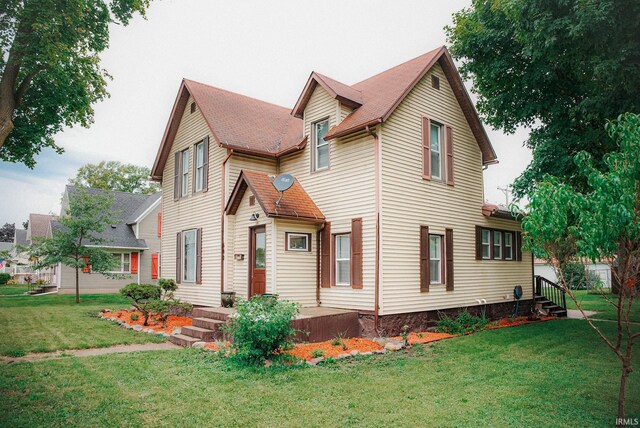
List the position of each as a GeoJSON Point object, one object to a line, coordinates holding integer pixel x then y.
{"type": "Point", "coordinates": [497, 244]}
{"type": "Point", "coordinates": [298, 241]}
{"type": "Point", "coordinates": [343, 259]}
{"type": "Point", "coordinates": [199, 153]}
{"type": "Point", "coordinates": [436, 139]}
{"type": "Point", "coordinates": [435, 259]}
{"type": "Point", "coordinates": [486, 244]}
{"type": "Point", "coordinates": [189, 256]}
{"type": "Point", "coordinates": [122, 262]}
{"type": "Point", "coordinates": [321, 146]}
{"type": "Point", "coordinates": [185, 173]}
{"type": "Point", "coordinates": [508, 246]}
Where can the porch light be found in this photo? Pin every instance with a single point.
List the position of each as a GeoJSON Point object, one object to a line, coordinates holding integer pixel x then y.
{"type": "Point", "coordinates": [254, 217]}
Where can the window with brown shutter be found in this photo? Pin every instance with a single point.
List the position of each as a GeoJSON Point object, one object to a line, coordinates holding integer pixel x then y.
{"type": "Point", "coordinates": [478, 243]}
{"type": "Point", "coordinates": [177, 174]}
{"type": "Point", "coordinates": [356, 253]}
{"type": "Point", "coordinates": [426, 148]}
{"type": "Point", "coordinates": [448, 258]}
{"type": "Point", "coordinates": [425, 276]}
{"type": "Point", "coordinates": [449, 151]}
{"type": "Point", "coordinates": [205, 177]}
{"type": "Point", "coordinates": [518, 246]}
{"type": "Point", "coordinates": [199, 256]}
{"type": "Point", "coordinates": [178, 257]}
{"type": "Point", "coordinates": [325, 261]}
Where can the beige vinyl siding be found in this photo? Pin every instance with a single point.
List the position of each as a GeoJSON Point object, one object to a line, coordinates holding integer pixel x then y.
{"type": "Point", "coordinates": [296, 270]}
{"type": "Point", "coordinates": [240, 245]}
{"type": "Point", "coordinates": [344, 111]}
{"type": "Point", "coordinates": [147, 229]}
{"type": "Point", "coordinates": [344, 191]}
{"type": "Point", "coordinates": [200, 210]}
{"type": "Point", "coordinates": [408, 201]}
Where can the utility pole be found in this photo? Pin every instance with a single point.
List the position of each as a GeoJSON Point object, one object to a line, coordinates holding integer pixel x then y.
{"type": "Point", "coordinates": [507, 193]}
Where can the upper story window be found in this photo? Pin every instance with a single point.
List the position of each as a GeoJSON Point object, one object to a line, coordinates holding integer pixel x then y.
{"type": "Point", "coordinates": [185, 173]}
{"type": "Point", "coordinates": [199, 155]}
{"type": "Point", "coordinates": [321, 147]}
{"type": "Point", "coordinates": [436, 150]}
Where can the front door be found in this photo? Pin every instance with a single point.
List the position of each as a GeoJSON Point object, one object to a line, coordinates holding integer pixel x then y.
{"type": "Point", "coordinates": [258, 261]}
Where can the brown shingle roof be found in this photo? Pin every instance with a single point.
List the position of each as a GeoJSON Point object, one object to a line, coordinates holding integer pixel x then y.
{"type": "Point", "coordinates": [344, 93]}
{"type": "Point", "coordinates": [295, 204]}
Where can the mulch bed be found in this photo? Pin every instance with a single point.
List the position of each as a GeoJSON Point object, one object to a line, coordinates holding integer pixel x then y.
{"type": "Point", "coordinates": [514, 322]}
{"type": "Point", "coordinates": [425, 337]}
{"type": "Point", "coordinates": [154, 322]}
{"type": "Point", "coordinates": [304, 351]}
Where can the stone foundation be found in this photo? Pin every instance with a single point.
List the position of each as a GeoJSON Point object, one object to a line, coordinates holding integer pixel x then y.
{"type": "Point", "coordinates": [391, 325]}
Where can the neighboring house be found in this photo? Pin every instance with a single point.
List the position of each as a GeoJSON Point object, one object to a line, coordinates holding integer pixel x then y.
{"type": "Point", "coordinates": [5, 262]}
{"type": "Point", "coordinates": [602, 269]}
{"type": "Point", "coordinates": [385, 215]}
{"type": "Point", "coordinates": [134, 240]}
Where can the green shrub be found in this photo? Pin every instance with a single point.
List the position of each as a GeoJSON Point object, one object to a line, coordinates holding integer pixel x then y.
{"type": "Point", "coordinates": [164, 308]}
{"type": "Point", "coordinates": [12, 282]}
{"type": "Point", "coordinates": [4, 278]}
{"type": "Point", "coordinates": [134, 317]}
{"type": "Point", "coordinates": [142, 295]}
{"type": "Point", "coordinates": [41, 281]}
{"type": "Point", "coordinates": [462, 324]}
{"type": "Point", "coordinates": [261, 327]}
{"type": "Point", "coordinates": [317, 353]}
{"type": "Point", "coordinates": [578, 277]}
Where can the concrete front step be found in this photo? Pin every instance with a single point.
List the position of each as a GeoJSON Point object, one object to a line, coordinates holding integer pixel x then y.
{"type": "Point", "coordinates": [220, 314]}
{"type": "Point", "coordinates": [200, 333]}
{"type": "Point", "coordinates": [182, 340]}
{"type": "Point", "coordinates": [208, 323]}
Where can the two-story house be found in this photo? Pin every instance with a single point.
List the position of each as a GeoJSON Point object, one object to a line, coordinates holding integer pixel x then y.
{"type": "Point", "coordinates": [385, 215]}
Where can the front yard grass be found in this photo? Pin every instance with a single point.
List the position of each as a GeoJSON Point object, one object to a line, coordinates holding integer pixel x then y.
{"type": "Point", "coordinates": [13, 289]}
{"type": "Point", "coordinates": [605, 311]}
{"type": "Point", "coordinates": [555, 373]}
{"type": "Point", "coordinates": [55, 322]}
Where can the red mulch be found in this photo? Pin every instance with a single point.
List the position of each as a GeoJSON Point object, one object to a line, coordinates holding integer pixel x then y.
{"type": "Point", "coordinates": [154, 322]}
{"type": "Point", "coordinates": [425, 337]}
{"type": "Point", "coordinates": [504, 322]}
{"type": "Point", "coordinates": [303, 351]}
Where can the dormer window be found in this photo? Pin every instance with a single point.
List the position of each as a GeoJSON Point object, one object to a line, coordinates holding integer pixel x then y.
{"type": "Point", "coordinates": [321, 147]}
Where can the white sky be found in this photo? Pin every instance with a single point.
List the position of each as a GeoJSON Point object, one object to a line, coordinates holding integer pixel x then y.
{"type": "Point", "coordinates": [262, 49]}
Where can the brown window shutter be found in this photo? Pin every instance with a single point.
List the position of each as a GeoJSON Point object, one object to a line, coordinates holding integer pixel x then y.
{"type": "Point", "coordinates": [199, 256]}
{"type": "Point", "coordinates": [205, 165]}
{"type": "Point", "coordinates": [356, 253]}
{"type": "Point", "coordinates": [425, 274]}
{"type": "Point", "coordinates": [518, 245]}
{"type": "Point", "coordinates": [426, 148]}
{"type": "Point", "coordinates": [177, 175]}
{"type": "Point", "coordinates": [449, 150]}
{"type": "Point", "coordinates": [448, 254]}
{"type": "Point", "coordinates": [194, 164]}
{"type": "Point", "coordinates": [159, 225]}
{"type": "Point", "coordinates": [325, 262]}
{"type": "Point", "coordinates": [179, 257]}
{"type": "Point", "coordinates": [478, 243]}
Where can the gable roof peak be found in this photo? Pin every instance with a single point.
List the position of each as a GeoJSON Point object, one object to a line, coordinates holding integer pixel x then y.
{"type": "Point", "coordinates": [346, 94]}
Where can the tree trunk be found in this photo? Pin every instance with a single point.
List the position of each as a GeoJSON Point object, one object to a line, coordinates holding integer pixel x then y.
{"type": "Point", "coordinates": [8, 96]}
{"type": "Point", "coordinates": [77, 284]}
{"type": "Point", "coordinates": [626, 369]}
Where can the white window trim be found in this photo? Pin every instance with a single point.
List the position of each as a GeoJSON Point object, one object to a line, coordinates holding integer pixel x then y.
{"type": "Point", "coordinates": [184, 256]}
{"type": "Point", "coordinates": [199, 166]}
{"type": "Point", "coordinates": [121, 270]}
{"type": "Point", "coordinates": [488, 243]}
{"type": "Point", "coordinates": [335, 237]}
{"type": "Point", "coordinates": [509, 246]}
{"type": "Point", "coordinates": [431, 258]}
{"type": "Point", "coordinates": [439, 151]}
{"type": "Point", "coordinates": [499, 244]}
{"type": "Point", "coordinates": [185, 173]}
{"type": "Point", "coordinates": [297, 235]}
{"type": "Point", "coordinates": [318, 144]}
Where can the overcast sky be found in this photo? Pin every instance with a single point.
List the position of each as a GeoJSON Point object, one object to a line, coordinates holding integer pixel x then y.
{"type": "Point", "coordinates": [265, 50]}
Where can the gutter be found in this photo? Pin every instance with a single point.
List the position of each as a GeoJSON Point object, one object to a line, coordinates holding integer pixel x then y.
{"type": "Point", "coordinates": [364, 127]}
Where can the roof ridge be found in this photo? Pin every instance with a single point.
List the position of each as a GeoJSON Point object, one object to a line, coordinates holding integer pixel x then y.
{"type": "Point", "coordinates": [234, 93]}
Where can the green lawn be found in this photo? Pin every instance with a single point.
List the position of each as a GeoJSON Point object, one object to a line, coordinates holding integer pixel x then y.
{"type": "Point", "coordinates": [55, 322]}
{"type": "Point", "coordinates": [7, 290]}
{"type": "Point", "coordinates": [596, 302]}
{"type": "Point", "coordinates": [555, 373]}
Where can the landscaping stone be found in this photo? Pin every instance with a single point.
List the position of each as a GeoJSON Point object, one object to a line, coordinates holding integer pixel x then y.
{"type": "Point", "coordinates": [267, 363]}
{"type": "Point", "coordinates": [341, 356]}
{"type": "Point", "coordinates": [393, 346]}
{"type": "Point", "coordinates": [199, 345]}
{"type": "Point", "coordinates": [176, 330]}
{"type": "Point", "coordinates": [137, 328]}
{"type": "Point", "coordinates": [354, 352]}
{"type": "Point", "coordinates": [366, 353]}
{"type": "Point", "coordinates": [315, 361]}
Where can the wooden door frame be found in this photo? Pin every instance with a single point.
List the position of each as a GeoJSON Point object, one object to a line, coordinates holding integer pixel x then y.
{"type": "Point", "coordinates": [252, 255]}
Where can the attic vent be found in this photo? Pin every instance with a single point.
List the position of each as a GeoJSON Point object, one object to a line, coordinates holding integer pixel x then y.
{"type": "Point", "coordinates": [252, 201]}
{"type": "Point", "coordinates": [435, 82]}
{"type": "Point", "coordinates": [193, 107]}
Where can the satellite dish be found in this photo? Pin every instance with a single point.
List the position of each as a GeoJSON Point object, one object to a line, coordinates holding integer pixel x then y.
{"type": "Point", "coordinates": [283, 182]}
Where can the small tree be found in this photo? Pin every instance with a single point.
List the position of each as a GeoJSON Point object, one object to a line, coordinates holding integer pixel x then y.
{"type": "Point", "coordinates": [142, 295]}
{"type": "Point", "coordinates": [604, 221]}
{"type": "Point", "coordinates": [167, 303]}
{"type": "Point", "coordinates": [82, 224]}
